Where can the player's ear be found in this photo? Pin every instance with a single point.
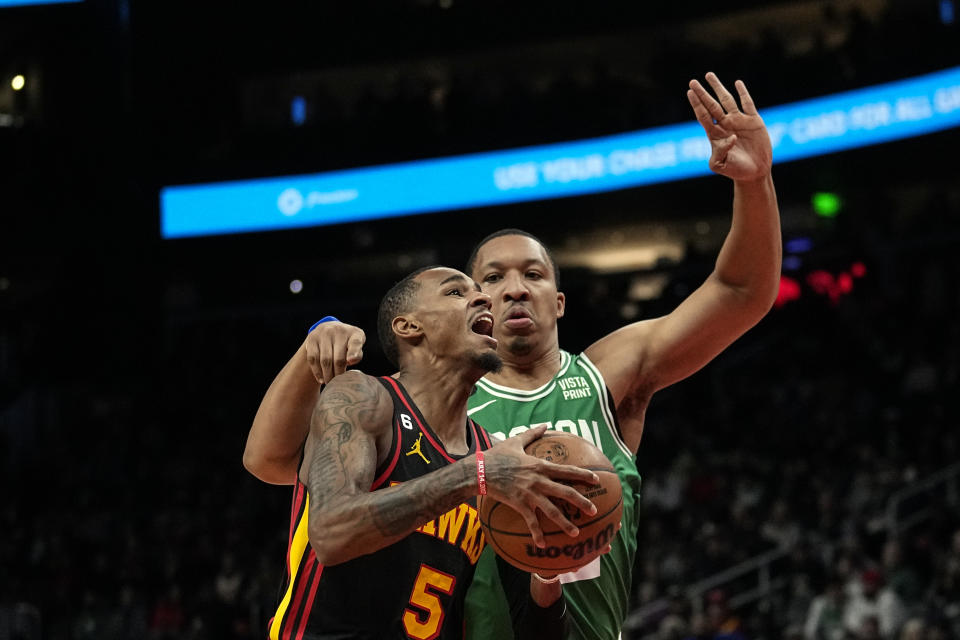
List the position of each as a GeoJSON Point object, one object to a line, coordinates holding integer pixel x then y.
{"type": "Point", "coordinates": [406, 327]}
{"type": "Point", "coordinates": [561, 304]}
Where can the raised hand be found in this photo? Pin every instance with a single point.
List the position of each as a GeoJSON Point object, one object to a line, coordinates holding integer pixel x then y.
{"type": "Point", "coordinates": [332, 347]}
{"type": "Point", "coordinates": [740, 145]}
{"type": "Point", "coordinates": [527, 484]}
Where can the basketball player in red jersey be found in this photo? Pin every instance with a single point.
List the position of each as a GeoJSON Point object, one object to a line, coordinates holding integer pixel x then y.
{"type": "Point", "coordinates": [385, 533]}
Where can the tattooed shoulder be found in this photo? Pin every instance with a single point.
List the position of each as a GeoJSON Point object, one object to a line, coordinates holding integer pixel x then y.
{"type": "Point", "coordinates": [357, 398]}
{"type": "Point", "coordinates": [342, 450]}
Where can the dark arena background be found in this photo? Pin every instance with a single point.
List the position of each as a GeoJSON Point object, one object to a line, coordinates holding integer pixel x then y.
{"type": "Point", "coordinates": [819, 452]}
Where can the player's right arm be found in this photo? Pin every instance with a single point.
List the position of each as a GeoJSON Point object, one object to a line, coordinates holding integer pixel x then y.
{"type": "Point", "coordinates": [351, 433]}
{"type": "Point", "coordinates": [644, 357]}
{"type": "Point", "coordinates": [282, 422]}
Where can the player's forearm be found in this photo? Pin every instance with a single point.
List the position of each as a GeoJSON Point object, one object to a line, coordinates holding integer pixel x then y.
{"type": "Point", "coordinates": [537, 610]}
{"type": "Point", "coordinates": [749, 261]}
{"type": "Point", "coordinates": [282, 422]}
{"type": "Point", "coordinates": [545, 615]}
{"type": "Point", "coordinates": [344, 527]}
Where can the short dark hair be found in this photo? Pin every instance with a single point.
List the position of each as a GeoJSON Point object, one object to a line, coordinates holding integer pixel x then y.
{"type": "Point", "coordinates": [396, 301]}
{"type": "Point", "coordinates": [472, 260]}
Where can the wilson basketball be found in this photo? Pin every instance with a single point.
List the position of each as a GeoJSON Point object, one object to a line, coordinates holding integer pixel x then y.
{"type": "Point", "coordinates": [509, 536]}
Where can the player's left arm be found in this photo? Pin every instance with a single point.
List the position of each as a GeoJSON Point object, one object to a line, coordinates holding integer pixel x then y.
{"type": "Point", "coordinates": [643, 357]}
{"type": "Point", "coordinates": [538, 609]}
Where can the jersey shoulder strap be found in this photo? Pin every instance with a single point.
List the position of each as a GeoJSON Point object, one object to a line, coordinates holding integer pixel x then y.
{"type": "Point", "coordinates": [390, 463]}
{"type": "Point", "coordinates": [480, 435]}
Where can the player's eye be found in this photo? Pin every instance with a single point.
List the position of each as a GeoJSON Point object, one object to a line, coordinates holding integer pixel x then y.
{"type": "Point", "coordinates": [455, 292]}
{"type": "Point", "coordinates": [534, 275]}
{"type": "Point", "coordinates": [492, 277]}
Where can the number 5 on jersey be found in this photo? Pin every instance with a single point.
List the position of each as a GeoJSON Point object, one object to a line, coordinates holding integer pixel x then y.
{"type": "Point", "coordinates": [415, 623]}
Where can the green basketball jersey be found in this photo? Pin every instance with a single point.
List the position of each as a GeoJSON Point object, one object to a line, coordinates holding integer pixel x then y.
{"type": "Point", "coordinates": [576, 401]}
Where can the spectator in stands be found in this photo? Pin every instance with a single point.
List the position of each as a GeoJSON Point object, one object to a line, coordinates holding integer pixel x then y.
{"type": "Point", "coordinates": [169, 620]}
{"type": "Point", "coordinates": [945, 597]}
{"type": "Point", "coordinates": [781, 529]}
{"type": "Point", "coordinates": [674, 625]}
{"type": "Point", "coordinates": [722, 623]}
{"type": "Point", "coordinates": [901, 577]}
{"type": "Point", "coordinates": [868, 629]}
{"type": "Point", "coordinates": [877, 602]}
{"type": "Point", "coordinates": [825, 617]}
{"type": "Point", "coordinates": [913, 629]}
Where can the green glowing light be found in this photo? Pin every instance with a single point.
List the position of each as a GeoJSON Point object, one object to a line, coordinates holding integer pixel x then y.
{"type": "Point", "coordinates": [825, 204]}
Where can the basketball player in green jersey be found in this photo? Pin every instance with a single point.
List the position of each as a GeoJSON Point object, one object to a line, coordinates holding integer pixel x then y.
{"type": "Point", "coordinates": [602, 393]}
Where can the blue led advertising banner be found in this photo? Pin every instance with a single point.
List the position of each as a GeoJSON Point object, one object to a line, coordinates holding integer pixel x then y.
{"type": "Point", "coordinates": [872, 115]}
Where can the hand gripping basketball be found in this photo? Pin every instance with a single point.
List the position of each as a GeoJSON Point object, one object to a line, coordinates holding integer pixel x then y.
{"type": "Point", "coordinates": [509, 533]}
{"type": "Point", "coordinates": [527, 484]}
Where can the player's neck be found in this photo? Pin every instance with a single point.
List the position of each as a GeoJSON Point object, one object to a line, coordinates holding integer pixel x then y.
{"type": "Point", "coordinates": [529, 371]}
{"type": "Point", "coordinates": [442, 399]}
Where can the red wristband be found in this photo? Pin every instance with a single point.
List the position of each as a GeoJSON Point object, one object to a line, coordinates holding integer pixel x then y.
{"type": "Point", "coordinates": [481, 474]}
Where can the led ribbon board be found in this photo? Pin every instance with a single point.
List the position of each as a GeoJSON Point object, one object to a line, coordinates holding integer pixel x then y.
{"type": "Point", "coordinates": [798, 130]}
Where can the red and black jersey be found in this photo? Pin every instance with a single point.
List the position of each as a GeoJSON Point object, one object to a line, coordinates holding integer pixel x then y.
{"type": "Point", "coordinates": [414, 588]}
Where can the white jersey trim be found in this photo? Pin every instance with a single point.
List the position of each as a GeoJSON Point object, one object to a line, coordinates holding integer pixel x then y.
{"type": "Point", "coordinates": [525, 395]}
{"type": "Point", "coordinates": [597, 378]}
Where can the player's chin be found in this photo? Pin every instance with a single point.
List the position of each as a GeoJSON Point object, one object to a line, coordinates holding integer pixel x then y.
{"type": "Point", "coordinates": [518, 345]}
{"type": "Point", "coordinates": [488, 361]}
{"type": "Point", "coordinates": [524, 336]}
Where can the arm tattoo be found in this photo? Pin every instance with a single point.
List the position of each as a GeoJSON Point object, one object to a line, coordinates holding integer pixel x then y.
{"type": "Point", "coordinates": [504, 475]}
{"type": "Point", "coordinates": [341, 471]}
{"type": "Point", "coordinates": [412, 503]}
{"type": "Point", "coordinates": [339, 458]}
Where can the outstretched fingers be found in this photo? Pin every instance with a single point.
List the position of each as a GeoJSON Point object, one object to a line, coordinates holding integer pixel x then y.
{"type": "Point", "coordinates": [726, 98]}
{"type": "Point", "coordinates": [748, 107]}
{"type": "Point", "coordinates": [707, 110]}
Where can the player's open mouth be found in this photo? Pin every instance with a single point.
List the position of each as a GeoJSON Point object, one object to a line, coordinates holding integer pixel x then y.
{"type": "Point", "coordinates": [483, 325]}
